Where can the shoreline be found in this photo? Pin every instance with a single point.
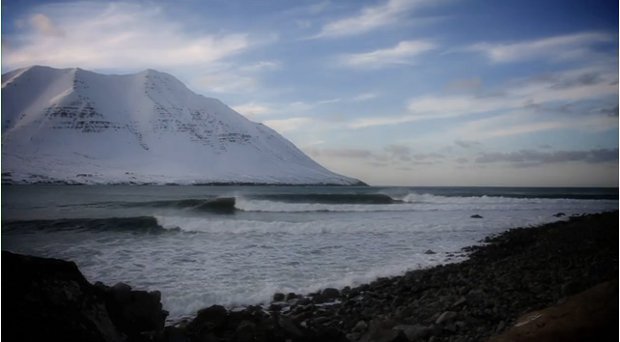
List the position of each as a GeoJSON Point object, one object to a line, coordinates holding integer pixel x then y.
{"type": "Point", "coordinates": [514, 272]}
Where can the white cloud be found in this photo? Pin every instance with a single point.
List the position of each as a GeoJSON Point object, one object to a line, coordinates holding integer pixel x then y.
{"type": "Point", "coordinates": [262, 66]}
{"type": "Point", "coordinates": [553, 48]}
{"type": "Point", "coordinates": [402, 53]}
{"type": "Point", "coordinates": [116, 35]}
{"type": "Point", "coordinates": [526, 122]}
{"type": "Point", "coordinates": [252, 109]}
{"type": "Point", "coordinates": [225, 82]}
{"type": "Point", "coordinates": [557, 88]}
{"type": "Point", "coordinates": [44, 25]}
{"type": "Point", "coordinates": [364, 97]}
{"type": "Point", "coordinates": [290, 124]}
{"type": "Point", "coordinates": [370, 18]}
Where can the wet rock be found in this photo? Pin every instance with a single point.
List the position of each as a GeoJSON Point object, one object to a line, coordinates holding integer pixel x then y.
{"type": "Point", "coordinates": [136, 313]}
{"type": "Point", "coordinates": [385, 335]}
{"type": "Point", "coordinates": [500, 326]}
{"type": "Point", "coordinates": [278, 297]}
{"type": "Point", "coordinates": [289, 327]}
{"type": "Point", "coordinates": [209, 319]}
{"type": "Point", "coordinates": [50, 300]}
{"type": "Point", "coordinates": [360, 327]}
{"type": "Point", "coordinates": [459, 302]}
{"type": "Point", "coordinates": [429, 251]}
{"type": "Point", "coordinates": [330, 294]}
{"type": "Point", "coordinates": [245, 331]}
{"type": "Point", "coordinates": [560, 214]}
{"type": "Point", "coordinates": [569, 288]}
{"type": "Point", "coordinates": [446, 317]}
{"type": "Point", "coordinates": [415, 332]}
{"type": "Point", "coordinates": [175, 334]}
{"type": "Point", "coordinates": [476, 216]}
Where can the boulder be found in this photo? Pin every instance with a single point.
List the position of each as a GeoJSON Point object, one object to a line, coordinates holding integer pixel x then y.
{"type": "Point", "coordinates": [381, 331]}
{"type": "Point", "coordinates": [446, 317]}
{"type": "Point", "coordinates": [415, 332]}
{"type": "Point", "coordinates": [50, 300]}
{"type": "Point", "coordinates": [330, 293]}
{"type": "Point", "coordinates": [135, 313]}
{"type": "Point", "coordinates": [209, 319]}
{"type": "Point", "coordinates": [278, 297]}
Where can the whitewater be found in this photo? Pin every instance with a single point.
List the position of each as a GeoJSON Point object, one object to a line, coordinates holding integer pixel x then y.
{"type": "Point", "coordinates": [235, 245]}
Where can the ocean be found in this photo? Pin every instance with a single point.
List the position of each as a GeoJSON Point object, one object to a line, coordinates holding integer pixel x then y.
{"type": "Point", "coordinates": [238, 245]}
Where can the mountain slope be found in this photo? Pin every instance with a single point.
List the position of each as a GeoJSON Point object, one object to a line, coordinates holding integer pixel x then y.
{"type": "Point", "coordinates": [76, 126]}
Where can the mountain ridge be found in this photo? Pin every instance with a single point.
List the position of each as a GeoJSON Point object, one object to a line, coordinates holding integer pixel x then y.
{"type": "Point", "coordinates": [77, 126]}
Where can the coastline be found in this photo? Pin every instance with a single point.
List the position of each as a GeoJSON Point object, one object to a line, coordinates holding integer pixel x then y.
{"type": "Point", "coordinates": [520, 270]}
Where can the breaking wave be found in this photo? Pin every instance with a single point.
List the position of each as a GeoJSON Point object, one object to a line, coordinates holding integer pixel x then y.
{"type": "Point", "coordinates": [141, 224]}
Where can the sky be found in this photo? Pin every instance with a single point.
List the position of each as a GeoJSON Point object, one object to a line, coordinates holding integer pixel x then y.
{"type": "Point", "coordinates": [393, 92]}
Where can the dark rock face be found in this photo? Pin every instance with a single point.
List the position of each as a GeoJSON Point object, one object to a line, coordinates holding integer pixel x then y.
{"type": "Point", "coordinates": [49, 299]}
{"type": "Point", "coordinates": [138, 314]}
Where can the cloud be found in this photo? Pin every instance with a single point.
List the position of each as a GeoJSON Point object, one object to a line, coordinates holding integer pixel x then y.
{"type": "Point", "coordinates": [226, 82]}
{"type": "Point", "coordinates": [400, 152]}
{"type": "Point", "coordinates": [531, 121]}
{"type": "Point", "coordinates": [426, 156]}
{"type": "Point", "coordinates": [348, 153]}
{"type": "Point", "coordinates": [116, 35]}
{"type": "Point", "coordinates": [555, 89]}
{"type": "Point", "coordinates": [402, 53]}
{"type": "Point", "coordinates": [290, 124]}
{"type": "Point", "coordinates": [528, 158]}
{"type": "Point", "coordinates": [564, 47]}
{"type": "Point", "coordinates": [364, 97]}
{"type": "Point", "coordinates": [467, 143]}
{"type": "Point", "coordinates": [252, 109]}
{"type": "Point", "coordinates": [371, 18]}
{"type": "Point", "coordinates": [262, 66]}
{"type": "Point", "coordinates": [44, 25]}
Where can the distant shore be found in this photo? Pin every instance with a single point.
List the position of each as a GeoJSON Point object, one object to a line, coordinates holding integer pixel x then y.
{"type": "Point", "coordinates": [513, 273]}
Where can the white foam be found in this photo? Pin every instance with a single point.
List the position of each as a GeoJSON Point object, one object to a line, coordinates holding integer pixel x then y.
{"type": "Point", "coordinates": [419, 202]}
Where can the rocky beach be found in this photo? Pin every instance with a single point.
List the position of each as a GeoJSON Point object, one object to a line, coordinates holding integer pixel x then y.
{"type": "Point", "coordinates": [508, 275]}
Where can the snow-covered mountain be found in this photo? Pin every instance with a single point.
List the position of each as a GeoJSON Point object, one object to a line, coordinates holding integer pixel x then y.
{"type": "Point", "coordinates": [77, 126]}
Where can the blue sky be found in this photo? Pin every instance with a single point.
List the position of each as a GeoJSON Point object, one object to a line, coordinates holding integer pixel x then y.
{"type": "Point", "coordinates": [394, 92]}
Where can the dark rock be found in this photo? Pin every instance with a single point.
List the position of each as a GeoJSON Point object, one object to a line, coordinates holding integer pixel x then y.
{"type": "Point", "coordinates": [446, 317]}
{"type": "Point", "coordinates": [476, 216]}
{"type": "Point", "coordinates": [459, 302]}
{"type": "Point", "coordinates": [289, 327]}
{"type": "Point", "coordinates": [500, 326]}
{"type": "Point", "coordinates": [278, 297]}
{"type": "Point", "coordinates": [175, 334]}
{"type": "Point", "coordinates": [135, 313]}
{"type": "Point", "coordinates": [381, 331]}
{"type": "Point", "coordinates": [245, 331]}
{"type": "Point", "coordinates": [360, 327]}
{"type": "Point", "coordinates": [210, 319]}
{"type": "Point", "coordinates": [429, 251]}
{"type": "Point", "coordinates": [569, 288]}
{"type": "Point", "coordinates": [330, 294]}
{"type": "Point", "coordinates": [50, 300]}
{"type": "Point", "coordinates": [415, 332]}
{"type": "Point", "coordinates": [291, 296]}
{"type": "Point", "coordinates": [560, 214]}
